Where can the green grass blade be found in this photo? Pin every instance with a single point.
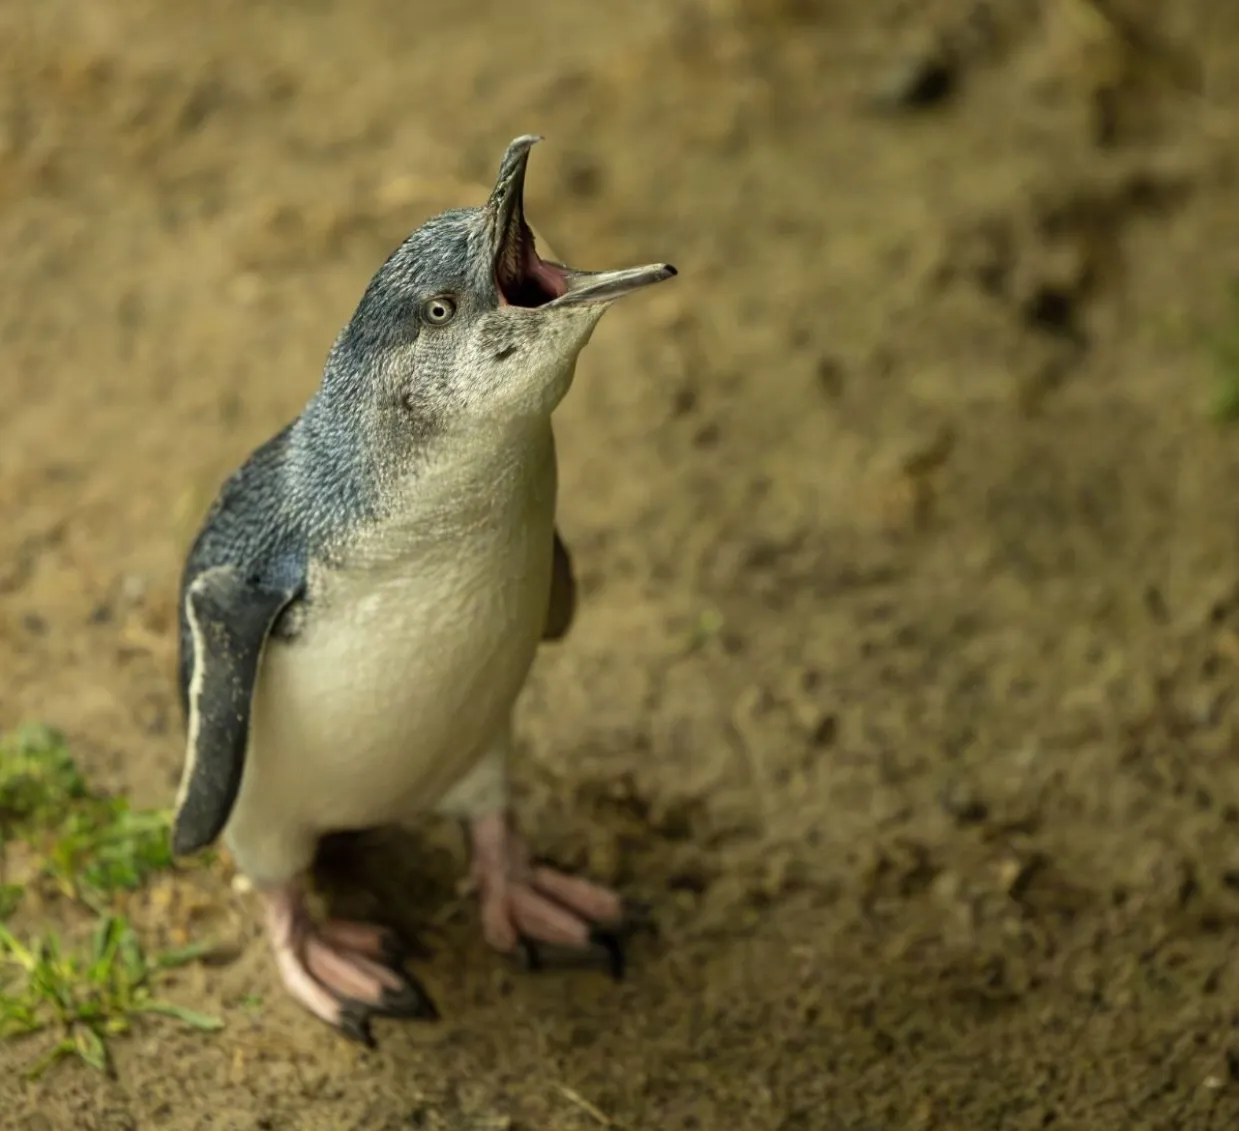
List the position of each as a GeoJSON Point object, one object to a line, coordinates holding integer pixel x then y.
{"type": "Point", "coordinates": [90, 1047]}
{"type": "Point", "coordinates": [201, 1021]}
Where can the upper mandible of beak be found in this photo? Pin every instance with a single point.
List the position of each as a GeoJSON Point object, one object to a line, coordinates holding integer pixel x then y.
{"type": "Point", "coordinates": [506, 205]}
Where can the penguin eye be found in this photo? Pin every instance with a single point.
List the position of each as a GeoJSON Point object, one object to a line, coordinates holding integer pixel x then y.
{"type": "Point", "coordinates": [438, 311]}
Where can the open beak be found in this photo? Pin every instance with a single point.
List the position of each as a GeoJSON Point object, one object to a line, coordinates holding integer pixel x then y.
{"type": "Point", "coordinates": [522, 276]}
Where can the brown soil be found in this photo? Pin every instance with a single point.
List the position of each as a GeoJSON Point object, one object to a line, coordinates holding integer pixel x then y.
{"type": "Point", "coordinates": [904, 682]}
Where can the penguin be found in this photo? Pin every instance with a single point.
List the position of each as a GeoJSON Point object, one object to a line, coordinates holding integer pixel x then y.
{"type": "Point", "coordinates": [362, 604]}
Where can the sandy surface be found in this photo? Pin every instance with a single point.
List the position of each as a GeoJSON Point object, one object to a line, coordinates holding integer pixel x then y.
{"type": "Point", "coordinates": [904, 681]}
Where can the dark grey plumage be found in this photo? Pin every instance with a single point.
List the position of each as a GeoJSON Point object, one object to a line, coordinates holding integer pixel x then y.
{"type": "Point", "coordinates": [246, 526]}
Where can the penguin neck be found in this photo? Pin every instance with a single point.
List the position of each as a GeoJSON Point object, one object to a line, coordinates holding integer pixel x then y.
{"type": "Point", "coordinates": [357, 464]}
{"type": "Point", "coordinates": [484, 476]}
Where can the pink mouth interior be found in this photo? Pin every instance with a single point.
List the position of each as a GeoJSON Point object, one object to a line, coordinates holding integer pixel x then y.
{"type": "Point", "coordinates": [523, 277]}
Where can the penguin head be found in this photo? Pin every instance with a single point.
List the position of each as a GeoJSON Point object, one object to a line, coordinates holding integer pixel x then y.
{"type": "Point", "coordinates": [466, 325]}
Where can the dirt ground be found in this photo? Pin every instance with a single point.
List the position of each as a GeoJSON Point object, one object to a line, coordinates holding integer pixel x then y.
{"type": "Point", "coordinates": [903, 686]}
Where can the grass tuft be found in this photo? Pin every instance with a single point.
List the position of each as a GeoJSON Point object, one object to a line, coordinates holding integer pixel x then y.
{"type": "Point", "coordinates": [86, 998]}
{"type": "Point", "coordinates": [87, 847]}
{"type": "Point", "coordinates": [90, 846]}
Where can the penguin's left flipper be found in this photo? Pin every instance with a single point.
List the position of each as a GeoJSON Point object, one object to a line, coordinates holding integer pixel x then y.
{"type": "Point", "coordinates": [562, 608]}
{"type": "Point", "coordinates": [230, 615]}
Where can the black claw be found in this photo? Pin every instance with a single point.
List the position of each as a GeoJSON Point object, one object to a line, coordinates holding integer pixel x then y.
{"type": "Point", "coordinates": [613, 945]}
{"type": "Point", "coordinates": [355, 1024]}
{"type": "Point", "coordinates": [530, 954]}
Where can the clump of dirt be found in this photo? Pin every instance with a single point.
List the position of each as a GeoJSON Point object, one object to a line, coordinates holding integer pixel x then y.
{"type": "Point", "coordinates": [903, 686]}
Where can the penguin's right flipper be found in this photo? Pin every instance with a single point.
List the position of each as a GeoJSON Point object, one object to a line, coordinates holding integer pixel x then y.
{"type": "Point", "coordinates": [230, 617]}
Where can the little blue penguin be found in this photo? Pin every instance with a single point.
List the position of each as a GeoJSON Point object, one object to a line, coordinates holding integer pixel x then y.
{"type": "Point", "coordinates": [362, 604]}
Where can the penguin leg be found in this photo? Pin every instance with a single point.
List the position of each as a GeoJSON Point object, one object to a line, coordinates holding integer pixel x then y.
{"type": "Point", "coordinates": [524, 904]}
{"type": "Point", "coordinates": [343, 972]}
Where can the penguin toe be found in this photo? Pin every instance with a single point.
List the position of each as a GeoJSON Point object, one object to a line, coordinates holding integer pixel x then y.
{"type": "Point", "coordinates": [529, 953]}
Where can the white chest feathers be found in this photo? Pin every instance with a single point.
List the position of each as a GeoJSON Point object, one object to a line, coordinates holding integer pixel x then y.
{"type": "Point", "coordinates": [410, 654]}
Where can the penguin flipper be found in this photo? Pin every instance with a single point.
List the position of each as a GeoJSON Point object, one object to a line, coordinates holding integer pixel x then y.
{"type": "Point", "coordinates": [562, 608]}
{"type": "Point", "coordinates": [230, 617]}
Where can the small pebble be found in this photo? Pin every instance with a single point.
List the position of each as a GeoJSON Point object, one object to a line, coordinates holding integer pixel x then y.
{"type": "Point", "coordinates": [133, 588]}
{"type": "Point", "coordinates": [915, 83]}
{"type": "Point", "coordinates": [961, 801]}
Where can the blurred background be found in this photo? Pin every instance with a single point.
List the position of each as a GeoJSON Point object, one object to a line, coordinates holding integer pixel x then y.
{"type": "Point", "coordinates": [904, 681]}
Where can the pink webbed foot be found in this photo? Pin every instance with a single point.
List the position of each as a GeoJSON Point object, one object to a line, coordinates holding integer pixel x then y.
{"type": "Point", "coordinates": [344, 973]}
{"type": "Point", "coordinates": [525, 904]}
